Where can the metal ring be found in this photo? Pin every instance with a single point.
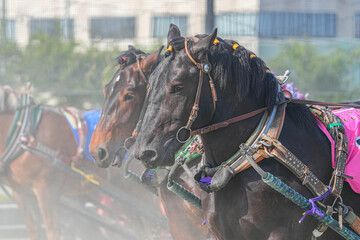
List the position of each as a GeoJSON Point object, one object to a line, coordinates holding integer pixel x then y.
{"type": "Point", "coordinates": [126, 143]}
{"type": "Point", "coordinates": [177, 135]}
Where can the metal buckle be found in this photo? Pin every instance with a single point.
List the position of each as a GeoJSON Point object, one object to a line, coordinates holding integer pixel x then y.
{"type": "Point", "coordinates": [178, 132]}
{"type": "Point", "coordinates": [127, 144]}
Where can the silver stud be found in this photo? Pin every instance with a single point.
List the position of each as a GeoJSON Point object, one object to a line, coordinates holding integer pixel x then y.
{"type": "Point", "coordinates": [206, 68]}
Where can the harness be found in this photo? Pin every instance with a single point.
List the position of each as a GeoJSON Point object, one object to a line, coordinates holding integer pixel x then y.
{"type": "Point", "coordinates": [263, 143]}
{"type": "Point", "coordinates": [18, 128]}
{"type": "Point", "coordinates": [21, 138]}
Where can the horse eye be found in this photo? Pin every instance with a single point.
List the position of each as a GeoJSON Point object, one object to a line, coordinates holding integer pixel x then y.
{"type": "Point", "coordinates": [129, 97]}
{"type": "Point", "coordinates": [176, 88]}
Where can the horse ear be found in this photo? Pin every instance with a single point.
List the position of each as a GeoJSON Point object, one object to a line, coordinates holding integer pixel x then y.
{"type": "Point", "coordinates": [173, 33]}
{"type": "Point", "coordinates": [206, 42]}
{"type": "Point", "coordinates": [150, 61]}
{"type": "Point", "coordinates": [131, 47]}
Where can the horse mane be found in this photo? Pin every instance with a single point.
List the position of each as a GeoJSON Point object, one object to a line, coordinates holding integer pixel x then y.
{"type": "Point", "coordinates": [248, 74]}
{"type": "Point", "coordinates": [236, 68]}
{"type": "Point", "coordinates": [128, 57]}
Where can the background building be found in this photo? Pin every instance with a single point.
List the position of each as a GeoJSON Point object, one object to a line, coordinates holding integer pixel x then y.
{"type": "Point", "coordinates": [146, 21]}
{"type": "Point", "coordinates": [263, 26]}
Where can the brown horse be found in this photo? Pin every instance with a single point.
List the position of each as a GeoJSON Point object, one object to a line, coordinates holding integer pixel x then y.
{"type": "Point", "coordinates": [124, 99]}
{"type": "Point", "coordinates": [37, 182]}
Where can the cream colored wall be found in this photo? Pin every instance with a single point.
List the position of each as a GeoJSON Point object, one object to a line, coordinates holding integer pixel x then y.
{"type": "Point", "coordinates": [82, 10]}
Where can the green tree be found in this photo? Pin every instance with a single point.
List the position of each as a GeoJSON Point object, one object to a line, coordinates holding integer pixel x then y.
{"type": "Point", "coordinates": [324, 76]}
{"type": "Point", "coordinates": [10, 58]}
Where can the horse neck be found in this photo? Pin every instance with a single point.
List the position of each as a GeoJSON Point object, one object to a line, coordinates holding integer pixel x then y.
{"type": "Point", "coordinates": [221, 144]}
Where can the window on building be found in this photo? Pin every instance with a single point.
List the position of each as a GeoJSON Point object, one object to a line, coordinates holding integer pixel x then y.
{"type": "Point", "coordinates": [161, 25]}
{"type": "Point", "coordinates": [112, 27]}
{"type": "Point", "coordinates": [290, 24]}
{"type": "Point", "coordinates": [357, 25]}
{"type": "Point", "coordinates": [237, 24]}
{"type": "Point", "coordinates": [52, 26]}
{"type": "Point", "coordinates": [10, 29]}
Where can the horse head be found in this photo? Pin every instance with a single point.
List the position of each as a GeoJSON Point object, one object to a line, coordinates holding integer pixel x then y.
{"type": "Point", "coordinates": [124, 98]}
{"type": "Point", "coordinates": [179, 103]}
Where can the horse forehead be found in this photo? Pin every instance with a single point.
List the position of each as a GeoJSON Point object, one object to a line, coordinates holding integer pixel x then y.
{"type": "Point", "coordinates": [194, 39]}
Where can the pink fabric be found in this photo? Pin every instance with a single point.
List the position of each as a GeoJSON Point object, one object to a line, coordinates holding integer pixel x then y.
{"type": "Point", "coordinates": [351, 120]}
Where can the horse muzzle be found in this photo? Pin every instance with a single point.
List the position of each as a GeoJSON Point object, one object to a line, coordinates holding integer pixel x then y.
{"type": "Point", "coordinates": [102, 157]}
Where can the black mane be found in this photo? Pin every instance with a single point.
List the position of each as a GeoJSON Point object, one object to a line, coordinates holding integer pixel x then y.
{"type": "Point", "coordinates": [128, 57]}
{"type": "Point", "coordinates": [236, 68]}
{"type": "Point", "coordinates": [249, 75]}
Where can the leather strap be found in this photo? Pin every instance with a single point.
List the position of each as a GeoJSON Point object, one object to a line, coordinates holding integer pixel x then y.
{"type": "Point", "coordinates": [138, 58]}
{"type": "Point", "coordinates": [226, 123]}
{"type": "Point", "coordinates": [337, 132]}
{"type": "Point", "coordinates": [275, 149]}
{"type": "Point", "coordinates": [310, 102]}
{"type": "Point", "coordinates": [353, 221]}
{"type": "Point", "coordinates": [195, 108]}
{"type": "Point", "coordinates": [146, 100]}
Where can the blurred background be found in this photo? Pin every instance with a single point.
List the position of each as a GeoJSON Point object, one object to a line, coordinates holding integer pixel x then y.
{"type": "Point", "coordinates": [66, 48]}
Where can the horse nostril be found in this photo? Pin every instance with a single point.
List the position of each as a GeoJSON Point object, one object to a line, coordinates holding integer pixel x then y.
{"type": "Point", "coordinates": [102, 153]}
{"type": "Point", "coordinates": [148, 155]}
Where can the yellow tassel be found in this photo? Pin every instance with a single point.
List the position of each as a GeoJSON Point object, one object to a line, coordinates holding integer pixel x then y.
{"type": "Point", "coordinates": [216, 41]}
{"type": "Point", "coordinates": [252, 56]}
{"type": "Point", "coordinates": [170, 48]}
{"type": "Point", "coordinates": [235, 46]}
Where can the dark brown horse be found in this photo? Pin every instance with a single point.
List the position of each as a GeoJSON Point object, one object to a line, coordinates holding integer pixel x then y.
{"type": "Point", "coordinates": [38, 182]}
{"type": "Point", "coordinates": [124, 99]}
{"type": "Point", "coordinates": [245, 207]}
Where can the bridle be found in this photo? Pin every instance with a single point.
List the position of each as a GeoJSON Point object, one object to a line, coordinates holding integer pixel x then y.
{"type": "Point", "coordinates": [130, 140]}
{"type": "Point", "coordinates": [205, 68]}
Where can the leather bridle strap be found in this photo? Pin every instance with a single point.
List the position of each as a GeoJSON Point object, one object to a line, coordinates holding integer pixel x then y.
{"type": "Point", "coordinates": [144, 107]}
{"type": "Point", "coordinates": [140, 69]}
{"type": "Point", "coordinates": [204, 68]}
{"type": "Point", "coordinates": [310, 102]}
{"type": "Point", "coordinates": [226, 123]}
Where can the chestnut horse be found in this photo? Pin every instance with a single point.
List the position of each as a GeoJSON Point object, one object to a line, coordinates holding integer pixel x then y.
{"type": "Point", "coordinates": [241, 205]}
{"type": "Point", "coordinates": [124, 99]}
{"type": "Point", "coordinates": [38, 182]}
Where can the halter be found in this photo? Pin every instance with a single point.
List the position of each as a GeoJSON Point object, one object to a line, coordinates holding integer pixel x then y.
{"type": "Point", "coordinates": [134, 134]}
{"type": "Point", "coordinates": [203, 68]}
